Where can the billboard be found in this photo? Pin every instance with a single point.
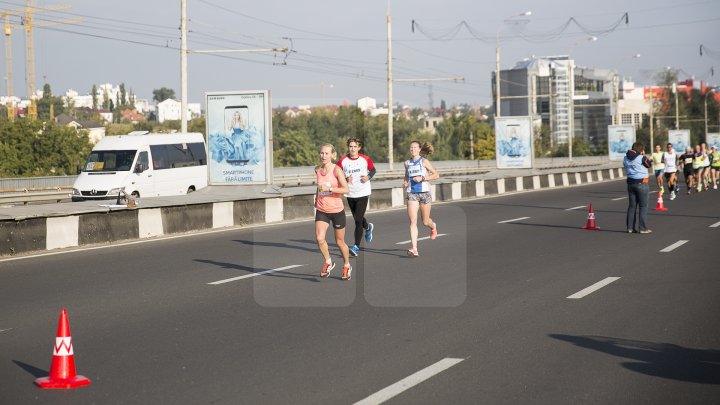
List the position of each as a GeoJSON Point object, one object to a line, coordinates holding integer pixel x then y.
{"type": "Point", "coordinates": [680, 139]}
{"type": "Point", "coordinates": [620, 140]}
{"type": "Point", "coordinates": [239, 137]}
{"type": "Point", "coordinates": [713, 139]}
{"type": "Point", "coordinates": [513, 142]}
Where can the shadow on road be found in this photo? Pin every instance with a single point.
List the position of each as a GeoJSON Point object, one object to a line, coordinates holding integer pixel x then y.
{"type": "Point", "coordinates": [663, 360]}
{"type": "Point", "coordinates": [279, 245]}
{"type": "Point", "coordinates": [34, 371]}
{"type": "Point", "coordinates": [651, 211]}
{"type": "Point", "coordinates": [234, 266]}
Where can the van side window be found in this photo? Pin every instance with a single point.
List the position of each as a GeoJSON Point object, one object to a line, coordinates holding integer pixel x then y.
{"type": "Point", "coordinates": [178, 155]}
{"type": "Point", "coordinates": [143, 160]}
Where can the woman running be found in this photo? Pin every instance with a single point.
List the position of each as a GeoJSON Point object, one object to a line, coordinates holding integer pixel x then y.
{"type": "Point", "coordinates": [331, 185]}
{"type": "Point", "coordinates": [418, 171]}
{"type": "Point", "coordinates": [659, 167]}
{"type": "Point", "coordinates": [670, 159]}
{"type": "Point", "coordinates": [358, 170]}
{"type": "Point", "coordinates": [686, 162]}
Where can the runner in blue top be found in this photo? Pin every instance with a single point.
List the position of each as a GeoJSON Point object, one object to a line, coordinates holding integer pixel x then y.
{"type": "Point", "coordinates": [418, 170]}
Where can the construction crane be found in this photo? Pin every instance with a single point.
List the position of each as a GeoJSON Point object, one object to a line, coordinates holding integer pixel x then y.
{"type": "Point", "coordinates": [27, 24]}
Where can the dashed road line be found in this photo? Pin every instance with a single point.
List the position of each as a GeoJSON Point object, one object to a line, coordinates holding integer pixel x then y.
{"type": "Point", "coordinates": [715, 225]}
{"type": "Point", "coordinates": [674, 246]}
{"type": "Point", "coordinates": [513, 220]}
{"type": "Point", "coordinates": [576, 208]}
{"type": "Point", "coordinates": [619, 198]}
{"type": "Point", "coordinates": [593, 288]}
{"type": "Point", "coordinates": [256, 274]}
{"type": "Point", "coordinates": [405, 242]}
{"type": "Point", "coordinates": [5, 330]}
{"type": "Point", "coordinates": [409, 382]}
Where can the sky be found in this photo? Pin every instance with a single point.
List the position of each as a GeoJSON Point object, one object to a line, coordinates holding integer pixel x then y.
{"type": "Point", "coordinates": [339, 48]}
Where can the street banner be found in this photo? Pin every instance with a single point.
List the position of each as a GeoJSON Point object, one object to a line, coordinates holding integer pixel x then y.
{"type": "Point", "coordinates": [620, 140]}
{"type": "Point", "coordinates": [679, 138]}
{"type": "Point", "coordinates": [239, 137]}
{"type": "Point", "coordinates": [713, 139]}
{"type": "Point", "coordinates": [513, 142]}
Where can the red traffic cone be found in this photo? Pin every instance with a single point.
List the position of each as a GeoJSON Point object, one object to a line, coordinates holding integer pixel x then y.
{"type": "Point", "coordinates": [62, 370]}
{"type": "Point", "coordinates": [660, 206]}
{"type": "Point", "coordinates": [590, 224]}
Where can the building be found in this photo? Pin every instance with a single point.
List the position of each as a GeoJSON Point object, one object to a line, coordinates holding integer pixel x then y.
{"type": "Point", "coordinates": [96, 130]}
{"type": "Point", "coordinates": [633, 108]}
{"type": "Point", "coordinates": [169, 110]}
{"type": "Point", "coordinates": [570, 99]}
{"type": "Point", "coordinates": [367, 103]}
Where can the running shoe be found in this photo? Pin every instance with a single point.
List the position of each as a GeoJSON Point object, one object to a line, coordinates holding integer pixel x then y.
{"type": "Point", "coordinates": [368, 232]}
{"type": "Point", "coordinates": [677, 188]}
{"type": "Point", "coordinates": [672, 195]}
{"type": "Point", "coordinates": [327, 268]}
{"type": "Point", "coordinates": [354, 250]}
{"type": "Point", "coordinates": [646, 231]}
{"type": "Point", "coordinates": [412, 253]}
{"type": "Point", "coordinates": [433, 233]}
{"type": "Point", "coordinates": [714, 186]}
{"type": "Point", "coordinates": [347, 272]}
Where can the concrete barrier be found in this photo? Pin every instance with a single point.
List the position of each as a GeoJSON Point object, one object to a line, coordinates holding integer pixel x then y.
{"type": "Point", "coordinates": [56, 231]}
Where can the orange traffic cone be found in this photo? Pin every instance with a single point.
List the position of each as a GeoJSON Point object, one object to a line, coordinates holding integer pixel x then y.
{"type": "Point", "coordinates": [590, 225]}
{"type": "Point", "coordinates": [660, 206]}
{"type": "Point", "coordinates": [62, 370]}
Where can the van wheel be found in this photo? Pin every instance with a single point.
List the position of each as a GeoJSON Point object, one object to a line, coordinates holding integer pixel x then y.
{"type": "Point", "coordinates": [135, 194]}
{"type": "Point", "coordinates": [190, 189]}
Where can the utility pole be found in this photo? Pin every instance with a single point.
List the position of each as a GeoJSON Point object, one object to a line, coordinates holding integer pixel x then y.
{"type": "Point", "coordinates": [652, 119]}
{"type": "Point", "coordinates": [183, 66]}
{"type": "Point", "coordinates": [390, 88]}
{"type": "Point", "coordinates": [677, 107]}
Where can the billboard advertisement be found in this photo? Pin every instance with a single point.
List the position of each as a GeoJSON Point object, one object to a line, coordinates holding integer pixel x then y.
{"type": "Point", "coordinates": [620, 140]}
{"type": "Point", "coordinates": [713, 139]}
{"type": "Point", "coordinates": [680, 139]}
{"type": "Point", "coordinates": [239, 137]}
{"type": "Point", "coordinates": [513, 142]}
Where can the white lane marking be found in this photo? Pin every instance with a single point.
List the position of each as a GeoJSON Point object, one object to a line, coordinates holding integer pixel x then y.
{"type": "Point", "coordinates": [423, 238]}
{"type": "Point", "coordinates": [576, 208]}
{"type": "Point", "coordinates": [513, 220]}
{"type": "Point", "coordinates": [593, 288]}
{"type": "Point", "coordinates": [619, 198]}
{"type": "Point", "coordinates": [715, 225]}
{"type": "Point", "coordinates": [409, 382]}
{"type": "Point", "coordinates": [5, 330]}
{"type": "Point", "coordinates": [256, 274]}
{"type": "Point", "coordinates": [653, 192]}
{"type": "Point", "coordinates": [674, 246]}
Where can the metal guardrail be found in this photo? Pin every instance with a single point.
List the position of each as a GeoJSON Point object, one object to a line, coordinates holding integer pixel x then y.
{"type": "Point", "coordinates": [58, 188]}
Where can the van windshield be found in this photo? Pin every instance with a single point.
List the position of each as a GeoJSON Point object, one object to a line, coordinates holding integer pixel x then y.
{"type": "Point", "coordinates": [109, 161]}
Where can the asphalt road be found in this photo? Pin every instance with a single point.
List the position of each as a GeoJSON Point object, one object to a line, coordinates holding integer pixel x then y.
{"type": "Point", "coordinates": [482, 316]}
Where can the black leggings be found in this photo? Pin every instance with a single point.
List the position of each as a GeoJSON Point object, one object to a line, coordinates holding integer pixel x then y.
{"type": "Point", "coordinates": [358, 207]}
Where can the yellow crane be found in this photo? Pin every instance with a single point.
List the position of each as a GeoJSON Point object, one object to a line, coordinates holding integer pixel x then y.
{"type": "Point", "coordinates": [27, 23]}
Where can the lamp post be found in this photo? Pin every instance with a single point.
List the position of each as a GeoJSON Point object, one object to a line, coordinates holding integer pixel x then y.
{"type": "Point", "coordinates": [497, 63]}
{"type": "Point", "coordinates": [706, 120]}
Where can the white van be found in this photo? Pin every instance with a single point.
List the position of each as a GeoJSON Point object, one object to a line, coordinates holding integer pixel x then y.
{"type": "Point", "coordinates": [143, 165]}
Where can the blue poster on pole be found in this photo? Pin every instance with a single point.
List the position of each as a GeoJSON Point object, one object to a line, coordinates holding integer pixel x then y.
{"type": "Point", "coordinates": [239, 134]}
{"type": "Point", "coordinates": [680, 139]}
{"type": "Point", "coordinates": [713, 139]}
{"type": "Point", "coordinates": [513, 142]}
{"type": "Point", "coordinates": [620, 140]}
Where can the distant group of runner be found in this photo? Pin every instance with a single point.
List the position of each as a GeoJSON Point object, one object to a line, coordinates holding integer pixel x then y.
{"type": "Point", "coordinates": [351, 176]}
{"type": "Point", "coordinates": [700, 168]}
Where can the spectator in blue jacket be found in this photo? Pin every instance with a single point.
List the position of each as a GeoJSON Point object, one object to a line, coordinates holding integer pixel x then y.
{"type": "Point", "coordinates": [636, 167]}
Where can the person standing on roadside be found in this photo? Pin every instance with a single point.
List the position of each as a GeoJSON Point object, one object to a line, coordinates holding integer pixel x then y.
{"type": "Point", "coordinates": [636, 166]}
{"type": "Point", "coordinates": [331, 185]}
{"type": "Point", "coordinates": [418, 170]}
{"type": "Point", "coordinates": [358, 170]}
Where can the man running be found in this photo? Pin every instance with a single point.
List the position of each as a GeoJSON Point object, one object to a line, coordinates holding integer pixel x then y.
{"type": "Point", "coordinates": [686, 162]}
{"type": "Point", "coordinates": [670, 159]}
{"type": "Point", "coordinates": [658, 165]}
{"type": "Point", "coordinates": [358, 170]}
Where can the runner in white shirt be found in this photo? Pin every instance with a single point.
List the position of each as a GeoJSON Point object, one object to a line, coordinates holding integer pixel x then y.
{"type": "Point", "coordinates": [358, 169]}
{"type": "Point", "coordinates": [670, 159]}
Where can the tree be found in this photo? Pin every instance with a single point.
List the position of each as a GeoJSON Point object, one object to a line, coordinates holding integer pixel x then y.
{"type": "Point", "coordinates": [162, 94]}
{"type": "Point", "coordinates": [123, 95]}
{"type": "Point", "coordinates": [294, 148]}
{"type": "Point", "coordinates": [443, 106]}
{"type": "Point", "coordinates": [48, 105]}
{"type": "Point", "coordinates": [93, 92]}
